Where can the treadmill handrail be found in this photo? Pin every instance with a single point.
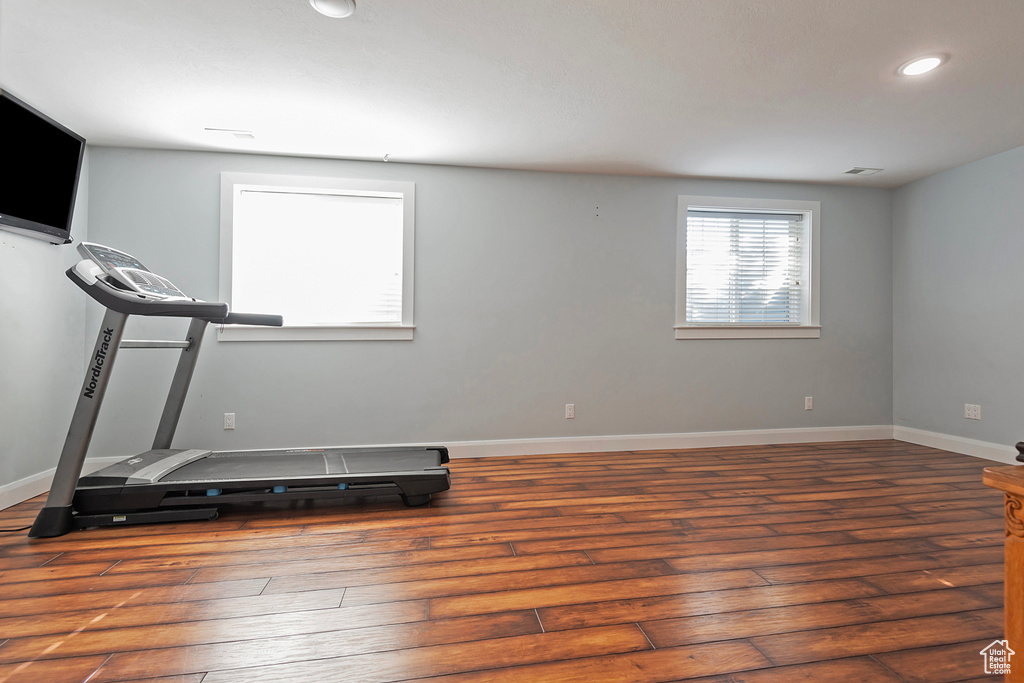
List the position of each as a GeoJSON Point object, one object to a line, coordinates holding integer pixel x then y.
{"type": "Point", "coordinates": [251, 319]}
{"type": "Point", "coordinates": [135, 303]}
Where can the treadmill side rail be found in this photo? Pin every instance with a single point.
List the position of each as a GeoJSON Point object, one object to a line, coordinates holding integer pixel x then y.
{"type": "Point", "coordinates": [152, 473]}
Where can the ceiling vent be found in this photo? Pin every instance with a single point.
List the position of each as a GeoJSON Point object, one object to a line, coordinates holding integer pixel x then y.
{"type": "Point", "coordinates": [240, 134]}
{"type": "Point", "coordinates": [860, 170]}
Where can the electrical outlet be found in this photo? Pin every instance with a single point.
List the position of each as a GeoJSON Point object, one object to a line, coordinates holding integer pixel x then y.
{"type": "Point", "coordinates": [229, 420]}
{"type": "Point", "coordinates": [570, 411]}
{"type": "Point", "coordinates": [808, 403]}
{"type": "Point", "coordinates": [972, 411]}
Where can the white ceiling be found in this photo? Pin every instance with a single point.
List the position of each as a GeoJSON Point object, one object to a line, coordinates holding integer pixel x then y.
{"type": "Point", "coordinates": [769, 89]}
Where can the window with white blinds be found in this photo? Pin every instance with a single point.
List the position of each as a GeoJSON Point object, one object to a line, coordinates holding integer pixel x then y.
{"type": "Point", "coordinates": [747, 268]}
{"type": "Point", "coordinates": [332, 256]}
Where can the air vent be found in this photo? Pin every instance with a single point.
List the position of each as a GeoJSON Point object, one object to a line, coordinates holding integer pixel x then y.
{"type": "Point", "coordinates": [239, 134]}
{"type": "Point", "coordinates": [860, 170]}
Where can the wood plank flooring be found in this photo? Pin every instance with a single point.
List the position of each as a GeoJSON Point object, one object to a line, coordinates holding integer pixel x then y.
{"type": "Point", "coordinates": [858, 561]}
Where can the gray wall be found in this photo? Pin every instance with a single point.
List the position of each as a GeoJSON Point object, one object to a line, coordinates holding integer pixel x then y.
{"type": "Point", "coordinates": [532, 290]}
{"type": "Point", "coordinates": [42, 346]}
{"type": "Point", "coordinates": [958, 249]}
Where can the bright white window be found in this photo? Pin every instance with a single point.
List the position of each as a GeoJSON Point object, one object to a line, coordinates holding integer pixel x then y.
{"type": "Point", "coordinates": [746, 268]}
{"type": "Point", "coordinates": [333, 256]}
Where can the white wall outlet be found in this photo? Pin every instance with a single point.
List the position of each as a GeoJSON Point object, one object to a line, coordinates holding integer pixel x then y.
{"type": "Point", "coordinates": [972, 411]}
{"type": "Point", "coordinates": [229, 420]}
{"type": "Point", "coordinates": [570, 411]}
{"type": "Point", "coordinates": [808, 403]}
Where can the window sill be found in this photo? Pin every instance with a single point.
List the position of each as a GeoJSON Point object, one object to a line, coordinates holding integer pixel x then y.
{"type": "Point", "coordinates": [753, 332]}
{"type": "Point", "coordinates": [233, 333]}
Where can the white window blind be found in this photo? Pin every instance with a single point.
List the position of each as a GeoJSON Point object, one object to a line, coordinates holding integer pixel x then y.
{"type": "Point", "coordinates": [335, 259]}
{"type": "Point", "coordinates": [333, 256]}
{"type": "Point", "coordinates": [746, 268]}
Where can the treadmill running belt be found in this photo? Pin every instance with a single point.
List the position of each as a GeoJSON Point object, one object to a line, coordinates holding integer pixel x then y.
{"type": "Point", "coordinates": [302, 463]}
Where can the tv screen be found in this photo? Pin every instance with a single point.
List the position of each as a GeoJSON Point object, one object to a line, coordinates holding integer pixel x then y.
{"type": "Point", "coordinates": [42, 161]}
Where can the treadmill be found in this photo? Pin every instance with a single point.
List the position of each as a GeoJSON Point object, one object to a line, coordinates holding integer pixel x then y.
{"type": "Point", "coordinates": [169, 485]}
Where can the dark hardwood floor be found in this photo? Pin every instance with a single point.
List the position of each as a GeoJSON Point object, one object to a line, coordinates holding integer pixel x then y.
{"type": "Point", "coordinates": [862, 561]}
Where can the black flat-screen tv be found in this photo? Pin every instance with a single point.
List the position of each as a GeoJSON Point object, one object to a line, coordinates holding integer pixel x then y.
{"type": "Point", "coordinates": [42, 161]}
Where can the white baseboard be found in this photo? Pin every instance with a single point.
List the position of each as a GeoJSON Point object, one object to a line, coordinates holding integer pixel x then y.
{"type": "Point", "coordinates": [957, 444]}
{"type": "Point", "coordinates": [31, 486]}
{"type": "Point", "coordinates": [653, 442]}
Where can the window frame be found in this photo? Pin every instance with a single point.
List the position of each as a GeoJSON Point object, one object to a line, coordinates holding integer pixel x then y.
{"type": "Point", "coordinates": [233, 183]}
{"type": "Point", "coordinates": [810, 328]}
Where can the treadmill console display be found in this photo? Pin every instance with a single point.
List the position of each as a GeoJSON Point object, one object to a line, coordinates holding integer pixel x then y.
{"type": "Point", "coordinates": [129, 272]}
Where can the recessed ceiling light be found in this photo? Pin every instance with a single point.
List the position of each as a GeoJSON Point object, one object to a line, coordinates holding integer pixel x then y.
{"type": "Point", "coordinates": [863, 170]}
{"type": "Point", "coordinates": [335, 9]}
{"type": "Point", "coordinates": [921, 65]}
